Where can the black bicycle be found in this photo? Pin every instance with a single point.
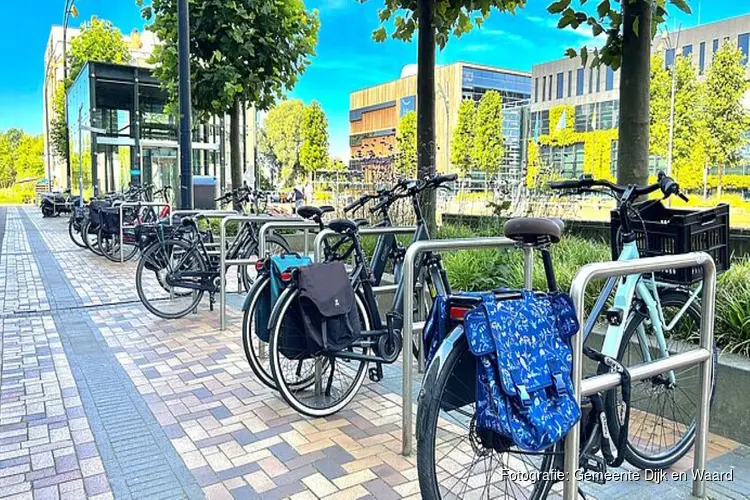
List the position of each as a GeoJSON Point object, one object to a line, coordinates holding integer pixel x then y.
{"type": "Point", "coordinates": [177, 268]}
{"type": "Point", "coordinates": [323, 383]}
{"type": "Point", "coordinates": [388, 253]}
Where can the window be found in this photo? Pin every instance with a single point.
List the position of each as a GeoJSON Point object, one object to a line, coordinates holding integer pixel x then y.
{"type": "Point", "coordinates": [536, 89]}
{"type": "Point", "coordinates": [606, 117]}
{"type": "Point", "coordinates": [545, 123]}
{"type": "Point", "coordinates": [560, 86]}
{"type": "Point", "coordinates": [614, 152]}
{"type": "Point", "coordinates": [702, 58]}
{"type": "Point", "coordinates": [598, 80]}
{"type": "Point", "coordinates": [610, 83]}
{"type": "Point", "coordinates": [579, 81]}
{"type": "Point", "coordinates": [591, 80]}
{"type": "Point", "coordinates": [669, 58]}
{"type": "Point", "coordinates": [549, 96]}
{"type": "Point", "coordinates": [687, 50]}
{"type": "Point", "coordinates": [715, 46]}
{"type": "Point", "coordinates": [584, 117]}
{"type": "Point", "coordinates": [544, 88]}
{"type": "Point", "coordinates": [570, 83]}
{"type": "Point", "coordinates": [743, 41]}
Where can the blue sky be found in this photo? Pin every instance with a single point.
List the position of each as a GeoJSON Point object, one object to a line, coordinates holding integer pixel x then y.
{"type": "Point", "coordinates": [347, 59]}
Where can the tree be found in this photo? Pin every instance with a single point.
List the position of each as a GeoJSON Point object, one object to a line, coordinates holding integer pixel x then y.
{"type": "Point", "coordinates": [406, 146]}
{"type": "Point", "coordinates": [20, 158]}
{"type": "Point", "coordinates": [239, 51]}
{"type": "Point", "coordinates": [313, 154]}
{"type": "Point", "coordinates": [489, 149]}
{"type": "Point", "coordinates": [463, 138]}
{"type": "Point", "coordinates": [726, 118]}
{"type": "Point", "coordinates": [99, 41]}
{"type": "Point", "coordinates": [338, 165]}
{"type": "Point", "coordinates": [687, 117]}
{"type": "Point", "coordinates": [629, 27]}
{"type": "Point", "coordinates": [282, 138]}
{"type": "Point", "coordinates": [436, 21]}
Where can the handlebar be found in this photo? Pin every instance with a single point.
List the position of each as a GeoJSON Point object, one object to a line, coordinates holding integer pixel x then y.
{"type": "Point", "coordinates": [667, 185]}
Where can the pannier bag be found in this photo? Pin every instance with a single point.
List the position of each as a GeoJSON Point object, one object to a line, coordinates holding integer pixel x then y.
{"type": "Point", "coordinates": [328, 308]}
{"type": "Point", "coordinates": [293, 335]}
{"type": "Point", "coordinates": [523, 387]}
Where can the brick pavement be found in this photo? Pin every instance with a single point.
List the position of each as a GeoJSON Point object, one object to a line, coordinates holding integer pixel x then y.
{"type": "Point", "coordinates": [101, 398]}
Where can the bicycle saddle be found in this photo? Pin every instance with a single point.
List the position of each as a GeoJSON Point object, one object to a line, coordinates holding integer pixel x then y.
{"type": "Point", "coordinates": [345, 225]}
{"type": "Point", "coordinates": [534, 231]}
{"type": "Point", "coordinates": [309, 212]}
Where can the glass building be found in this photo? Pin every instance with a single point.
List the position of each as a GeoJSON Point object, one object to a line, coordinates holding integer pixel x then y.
{"type": "Point", "coordinates": [121, 133]}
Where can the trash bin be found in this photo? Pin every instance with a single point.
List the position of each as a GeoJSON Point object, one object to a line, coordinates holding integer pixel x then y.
{"type": "Point", "coordinates": [204, 192]}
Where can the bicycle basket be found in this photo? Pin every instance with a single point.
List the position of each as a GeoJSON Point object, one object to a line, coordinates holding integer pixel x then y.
{"type": "Point", "coordinates": [670, 231]}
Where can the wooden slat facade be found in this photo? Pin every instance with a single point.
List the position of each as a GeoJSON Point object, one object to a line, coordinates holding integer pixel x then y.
{"type": "Point", "coordinates": [447, 95]}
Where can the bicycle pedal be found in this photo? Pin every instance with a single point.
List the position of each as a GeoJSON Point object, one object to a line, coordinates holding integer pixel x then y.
{"type": "Point", "coordinates": [596, 465]}
{"type": "Point", "coordinates": [376, 374]}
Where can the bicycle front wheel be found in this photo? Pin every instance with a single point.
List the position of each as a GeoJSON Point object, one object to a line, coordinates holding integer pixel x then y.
{"type": "Point", "coordinates": [452, 461]}
{"type": "Point", "coordinates": [167, 278]}
{"type": "Point", "coordinates": [74, 231]}
{"type": "Point", "coordinates": [664, 408]}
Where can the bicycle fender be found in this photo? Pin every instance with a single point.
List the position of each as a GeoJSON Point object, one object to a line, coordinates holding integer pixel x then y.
{"type": "Point", "coordinates": [256, 288]}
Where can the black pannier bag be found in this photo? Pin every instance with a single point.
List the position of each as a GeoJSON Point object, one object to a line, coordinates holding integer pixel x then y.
{"type": "Point", "coordinates": [327, 307]}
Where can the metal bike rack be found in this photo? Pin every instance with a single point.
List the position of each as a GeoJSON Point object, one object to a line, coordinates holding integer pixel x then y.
{"type": "Point", "coordinates": [124, 204]}
{"type": "Point", "coordinates": [224, 263]}
{"type": "Point", "coordinates": [325, 234]}
{"type": "Point", "coordinates": [414, 251]}
{"type": "Point", "coordinates": [702, 355]}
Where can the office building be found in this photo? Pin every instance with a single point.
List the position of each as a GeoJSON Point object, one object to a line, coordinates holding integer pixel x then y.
{"type": "Point", "coordinates": [374, 114]}
{"type": "Point", "coordinates": [575, 109]}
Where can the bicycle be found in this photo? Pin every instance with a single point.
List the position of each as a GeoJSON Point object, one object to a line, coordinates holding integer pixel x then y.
{"type": "Point", "coordinates": [184, 269]}
{"type": "Point", "coordinates": [319, 384]}
{"type": "Point", "coordinates": [446, 409]}
{"type": "Point", "coordinates": [387, 250]}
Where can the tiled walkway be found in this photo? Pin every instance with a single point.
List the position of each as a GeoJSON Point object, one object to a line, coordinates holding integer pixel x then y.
{"type": "Point", "coordinates": [100, 399]}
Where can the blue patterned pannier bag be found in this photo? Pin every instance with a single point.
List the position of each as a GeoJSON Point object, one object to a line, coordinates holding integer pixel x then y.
{"type": "Point", "coordinates": [279, 264]}
{"type": "Point", "coordinates": [524, 389]}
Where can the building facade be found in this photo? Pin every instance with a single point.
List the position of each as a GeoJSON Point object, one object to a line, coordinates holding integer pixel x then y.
{"type": "Point", "coordinates": [374, 114]}
{"type": "Point", "coordinates": [575, 109]}
{"type": "Point", "coordinates": [134, 139]}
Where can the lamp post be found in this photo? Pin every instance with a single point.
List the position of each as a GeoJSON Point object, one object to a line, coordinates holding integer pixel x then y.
{"type": "Point", "coordinates": [183, 39]}
{"type": "Point", "coordinates": [70, 10]}
{"type": "Point", "coordinates": [668, 43]}
{"type": "Point", "coordinates": [447, 125]}
{"type": "Point", "coordinates": [47, 117]}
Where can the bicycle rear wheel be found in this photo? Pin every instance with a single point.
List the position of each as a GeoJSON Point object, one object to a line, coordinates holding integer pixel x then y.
{"type": "Point", "coordinates": [664, 409]}
{"type": "Point", "coordinates": [294, 374]}
{"type": "Point", "coordinates": [109, 244]}
{"type": "Point", "coordinates": [74, 231]}
{"type": "Point", "coordinates": [160, 285]}
{"type": "Point", "coordinates": [452, 462]}
{"type": "Point", "coordinates": [276, 246]}
{"type": "Point", "coordinates": [91, 237]}
{"type": "Point", "coordinates": [256, 349]}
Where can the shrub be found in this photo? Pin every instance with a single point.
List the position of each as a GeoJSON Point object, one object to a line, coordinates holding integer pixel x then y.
{"type": "Point", "coordinates": [733, 309]}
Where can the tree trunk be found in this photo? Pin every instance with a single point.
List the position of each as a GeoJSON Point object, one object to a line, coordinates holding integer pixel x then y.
{"type": "Point", "coordinates": [635, 75]}
{"type": "Point", "coordinates": [235, 136]}
{"type": "Point", "coordinates": [426, 106]}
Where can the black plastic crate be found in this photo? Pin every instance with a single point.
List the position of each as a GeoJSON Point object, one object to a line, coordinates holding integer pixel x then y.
{"type": "Point", "coordinates": [670, 231]}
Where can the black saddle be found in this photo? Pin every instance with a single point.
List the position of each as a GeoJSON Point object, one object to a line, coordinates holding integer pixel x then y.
{"type": "Point", "coordinates": [534, 231]}
{"type": "Point", "coordinates": [345, 225]}
{"type": "Point", "coordinates": [309, 212]}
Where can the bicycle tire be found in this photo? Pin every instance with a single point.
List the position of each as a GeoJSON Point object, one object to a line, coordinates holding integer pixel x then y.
{"type": "Point", "coordinates": [287, 390]}
{"type": "Point", "coordinates": [438, 378]}
{"type": "Point", "coordinates": [633, 454]}
{"type": "Point", "coordinates": [141, 271]}
{"type": "Point", "coordinates": [90, 237]}
{"type": "Point", "coordinates": [111, 249]}
{"type": "Point", "coordinates": [248, 339]}
{"type": "Point", "coordinates": [72, 232]}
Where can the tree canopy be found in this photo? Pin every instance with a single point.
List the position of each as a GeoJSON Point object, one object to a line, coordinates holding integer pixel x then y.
{"type": "Point", "coordinates": [282, 138]}
{"type": "Point", "coordinates": [406, 146]}
{"type": "Point", "coordinates": [100, 41]}
{"type": "Point", "coordinates": [462, 145]}
{"type": "Point", "coordinates": [489, 149]}
{"type": "Point", "coordinates": [313, 154]}
{"type": "Point", "coordinates": [451, 17]}
{"type": "Point", "coordinates": [21, 158]}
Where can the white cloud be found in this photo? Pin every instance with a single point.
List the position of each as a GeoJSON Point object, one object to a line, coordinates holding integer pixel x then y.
{"type": "Point", "coordinates": [505, 37]}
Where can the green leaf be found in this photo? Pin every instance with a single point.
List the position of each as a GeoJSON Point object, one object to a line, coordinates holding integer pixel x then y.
{"type": "Point", "coordinates": [636, 25]}
{"type": "Point", "coordinates": [379, 35]}
{"type": "Point", "coordinates": [682, 5]}
{"type": "Point", "coordinates": [584, 56]}
{"type": "Point", "coordinates": [603, 9]}
{"type": "Point", "coordinates": [558, 7]}
{"type": "Point", "coordinates": [571, 53]}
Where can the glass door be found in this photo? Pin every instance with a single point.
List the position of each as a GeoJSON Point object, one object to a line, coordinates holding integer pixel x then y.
{"type": "Point", "coordinates": [160, 167]}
